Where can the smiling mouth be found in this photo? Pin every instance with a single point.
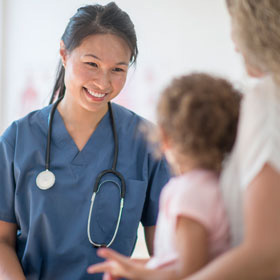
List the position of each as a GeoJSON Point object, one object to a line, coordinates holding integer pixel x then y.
{"type": "Point", "coordinates": [95, 94]}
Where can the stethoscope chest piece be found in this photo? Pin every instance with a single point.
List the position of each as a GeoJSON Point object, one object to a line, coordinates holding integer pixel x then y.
{"type": "Point", "coordinates": [45, 180]}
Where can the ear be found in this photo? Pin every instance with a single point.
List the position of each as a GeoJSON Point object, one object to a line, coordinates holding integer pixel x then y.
{"type": "Point", "coordinates": [165, 141]}
{"type": "Point", "coordinates": [63, 53]}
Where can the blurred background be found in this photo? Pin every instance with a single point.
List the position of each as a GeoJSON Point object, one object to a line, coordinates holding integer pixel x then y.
{"type": "Point", "coordinates": [174, 37]}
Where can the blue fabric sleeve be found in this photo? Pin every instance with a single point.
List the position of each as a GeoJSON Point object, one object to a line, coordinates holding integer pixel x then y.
{"type": "Point", "coordinates": [7, 182]}
{"type": "Point", "coordinates": [159, 174]}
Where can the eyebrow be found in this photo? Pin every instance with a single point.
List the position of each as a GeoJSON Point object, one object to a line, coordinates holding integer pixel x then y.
{"type": "Point", "coordinates": [96, 57]}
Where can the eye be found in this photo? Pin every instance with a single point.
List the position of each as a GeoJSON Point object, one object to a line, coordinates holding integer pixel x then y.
{"type": "Point", "coordinates": [93, 64]}
{"type": "Point", "coordinates": [117, 69]}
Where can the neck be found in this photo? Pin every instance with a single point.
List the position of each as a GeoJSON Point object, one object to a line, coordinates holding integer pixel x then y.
{"type": "Point", "coordinates": [186, 168]}
{"type": "Point", "coordinates": [184, 165]}
{"type": "Point", "coordinates": [77, 117]}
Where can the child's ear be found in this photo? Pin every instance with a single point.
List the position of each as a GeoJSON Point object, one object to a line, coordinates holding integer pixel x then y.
{"type": "Point", "coordinates": [165, 141]}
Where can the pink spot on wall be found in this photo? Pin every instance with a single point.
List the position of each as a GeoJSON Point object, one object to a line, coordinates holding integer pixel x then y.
{"type": "Point", "coordinates": [28, 98]}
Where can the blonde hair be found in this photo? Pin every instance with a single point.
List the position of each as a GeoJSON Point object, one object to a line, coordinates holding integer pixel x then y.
{"type": "Point", "coordinates": [257, 28]}
{"type": "Point", "coordinates": [199, 114]}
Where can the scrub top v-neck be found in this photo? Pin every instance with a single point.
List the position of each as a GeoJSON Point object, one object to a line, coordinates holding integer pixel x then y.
{"type": "Point", "coordinates": [52, 242]}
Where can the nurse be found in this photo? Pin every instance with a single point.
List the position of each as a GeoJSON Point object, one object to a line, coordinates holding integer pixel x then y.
{"type": "Point", "coordinates": [49, 227]}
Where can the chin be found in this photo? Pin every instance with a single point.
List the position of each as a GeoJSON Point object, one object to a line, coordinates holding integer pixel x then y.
{"type": "Point", "coordinates": [95, 107]}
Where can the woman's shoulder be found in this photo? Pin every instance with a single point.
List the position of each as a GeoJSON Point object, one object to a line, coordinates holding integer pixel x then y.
{"type": "Point", "coordinates": [263, 97]}
{"type": "Point", "coordinates": [127, 117]}
{"type": "Point", "coordinates": [24, 125]}
{"type": "Point", "coordinates": [260, 110]}
{"type": "Point", "coordinates": [258, 139]}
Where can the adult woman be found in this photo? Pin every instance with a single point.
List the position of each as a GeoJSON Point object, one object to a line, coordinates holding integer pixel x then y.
{"type": "Point", "coordinates": [58, 227]}
{"type": "Point", "coordinates": [251, 176]}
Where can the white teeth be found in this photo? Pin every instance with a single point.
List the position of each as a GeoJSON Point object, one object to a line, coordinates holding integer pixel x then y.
{"type": "Point", "coordinates": [95, 94]}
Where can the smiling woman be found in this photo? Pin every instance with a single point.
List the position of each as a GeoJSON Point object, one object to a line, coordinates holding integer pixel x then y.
{"type": "Point", "coordinates": [86, 137]}
{"type": "Point", "coordinates": [95, 73]}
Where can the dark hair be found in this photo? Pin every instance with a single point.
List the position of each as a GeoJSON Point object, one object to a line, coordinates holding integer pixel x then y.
{"type": "Point", "coordinates": [199, 113]}
{"type": "Point", "coordinates": [90, 20]}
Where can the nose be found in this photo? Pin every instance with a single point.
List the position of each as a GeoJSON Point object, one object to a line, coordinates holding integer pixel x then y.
{"type": "Point", "coordinates": [103, 80]}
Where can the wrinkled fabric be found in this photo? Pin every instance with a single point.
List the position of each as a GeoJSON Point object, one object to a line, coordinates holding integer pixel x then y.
{"type": "Point", "coordinates": [52, 240]}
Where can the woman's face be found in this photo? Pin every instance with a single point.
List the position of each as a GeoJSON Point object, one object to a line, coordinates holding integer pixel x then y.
{"type": "Point", "coordinates": [95, 71]}
{"type": "Point", "coordinates": [250, 69]}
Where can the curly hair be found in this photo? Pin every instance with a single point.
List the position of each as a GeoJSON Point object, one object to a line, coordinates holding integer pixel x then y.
{"type": "Point", "coordinates": [257, 31]}
{"type": "Point", "coordinates": [199, 114]}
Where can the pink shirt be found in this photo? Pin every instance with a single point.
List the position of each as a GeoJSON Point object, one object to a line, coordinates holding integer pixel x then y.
{"type": "Point", "coordinates": [195, 195]}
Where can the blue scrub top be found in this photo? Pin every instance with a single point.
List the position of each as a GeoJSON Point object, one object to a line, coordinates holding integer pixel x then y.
{"type": "Point", "coordinates": [52, 242]}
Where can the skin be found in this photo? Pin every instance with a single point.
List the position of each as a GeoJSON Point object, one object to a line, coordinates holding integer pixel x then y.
{"type": "Point", "coordinates": [149, 233]}
{"type": "Point", "coordinates": [10, 268]}
{"type": "Point", "coordinates": [99, 64]}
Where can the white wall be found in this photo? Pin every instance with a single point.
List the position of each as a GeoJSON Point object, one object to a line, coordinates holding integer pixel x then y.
{"type": "Point", "coordinates": [175, 37]}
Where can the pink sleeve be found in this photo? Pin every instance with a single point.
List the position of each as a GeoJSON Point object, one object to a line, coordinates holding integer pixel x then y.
{"type": "Point", "coordinates": [197, 202]}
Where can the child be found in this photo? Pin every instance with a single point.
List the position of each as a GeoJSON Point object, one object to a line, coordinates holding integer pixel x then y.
{"type": "Point", "coordinates": [197, 119]}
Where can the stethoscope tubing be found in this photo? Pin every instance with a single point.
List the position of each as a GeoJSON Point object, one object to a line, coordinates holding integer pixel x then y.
{"type": "Point", "coordinates": [50, 121]}
{"type": "Point", "coordinates": [98, 183]}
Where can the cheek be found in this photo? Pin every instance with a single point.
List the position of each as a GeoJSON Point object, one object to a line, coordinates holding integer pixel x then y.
{"type": "Point", "coordinates": [81, 74]}
{"type": "Point", "coordinates": [233, 37]}
{"type": "Point", "coordinates": [118, 81]}
{"type": "Point", "coordinates": [236, 48]}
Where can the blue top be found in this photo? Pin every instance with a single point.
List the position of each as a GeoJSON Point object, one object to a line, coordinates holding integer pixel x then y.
{"type": "Point", "coordinates": [52, 240]}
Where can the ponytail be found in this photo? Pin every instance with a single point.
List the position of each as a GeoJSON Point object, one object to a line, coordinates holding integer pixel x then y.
{"type": "Point", "coordinates": [59, 86]}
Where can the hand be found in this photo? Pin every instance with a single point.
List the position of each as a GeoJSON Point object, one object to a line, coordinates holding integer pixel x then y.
{"type": "Point", "coordinates": [108, 276]}
{"type": "Point", "coordinates": [117, 265]}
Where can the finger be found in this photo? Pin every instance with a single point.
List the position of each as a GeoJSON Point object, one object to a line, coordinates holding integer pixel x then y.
{"type": "Point", "coordinates": [100, 267]}
{"type": "Point", "coordinates": [108, 276]}
{"type": "Point", "coordinates": [112, 255]}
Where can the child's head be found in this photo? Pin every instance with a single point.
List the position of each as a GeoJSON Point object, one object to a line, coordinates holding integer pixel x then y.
{"type": "Point", "coordinates": [197, 118]}
{"type": "Point", "coordinates": [256, 33]}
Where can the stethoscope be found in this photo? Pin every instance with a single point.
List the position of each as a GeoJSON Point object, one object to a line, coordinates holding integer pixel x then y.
{"type": "Point", "coordinates": [46, 179]}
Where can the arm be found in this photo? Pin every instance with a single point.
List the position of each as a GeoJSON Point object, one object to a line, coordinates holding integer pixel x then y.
{"type": "Point", "coordinates": [149, 233]}
{"type": "Point", "coordinates": [258, 257]}
{"type": "Point", "coordinates": [10, 268]}
{"type": "Point", "coordinates": [191, 245]}
{"type": "Point", "coordinates": [192, 239]}
{"type": "Point", "coordinates": [117, 265]}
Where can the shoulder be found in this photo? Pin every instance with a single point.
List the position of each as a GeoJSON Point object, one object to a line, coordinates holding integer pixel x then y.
{"type": "Point", "coordinates": [131, 126]}
{"type": "Point", "coordinates": [27, 124]}
{"type": "Point", "coordinates": [188, 193]}
{"type": "Point", "coordinates": [197, 184]}
{"type": "Point", "coordinates": [127, 118]}
{"type": "Point", "coordinates": [259, 117]}
{"type": "Point", "coordinates": [258, 139]}
{"type": "Point", "coordinates": [262, 100]}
